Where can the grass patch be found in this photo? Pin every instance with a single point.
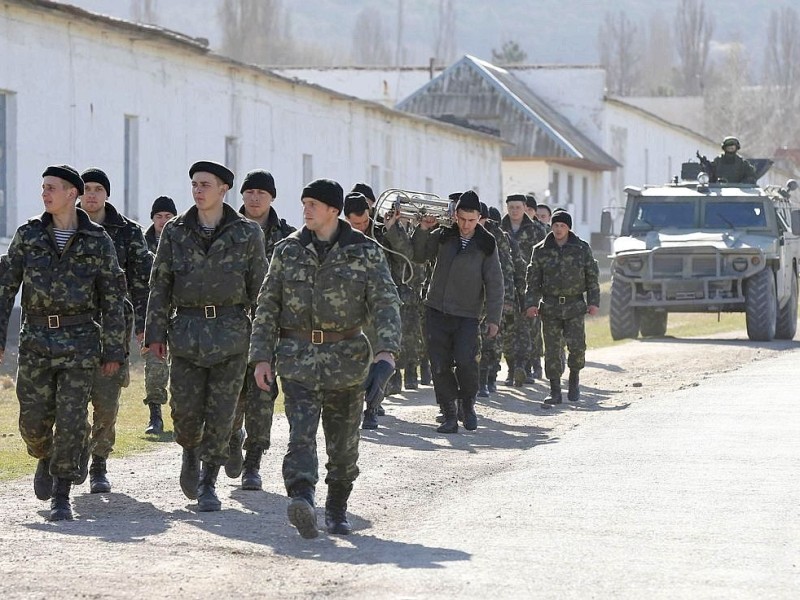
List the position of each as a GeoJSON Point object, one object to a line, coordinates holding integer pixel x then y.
{"type": "Point", "coordinates": [131, 422]}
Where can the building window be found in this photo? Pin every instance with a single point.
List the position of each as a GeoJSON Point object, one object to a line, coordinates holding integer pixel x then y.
{"type": "Point", "coordinates": [570, 199]}
{"type": "Point", "coordinates": [585, 200]}
{"type": "Point", "coordinates": [429, 185]}
{"type": "Point", "coordinates": [231, 152]}
{"type": "Point", "coordinates": [131, 186]}
{"type": "Point", "coordinates": [647, 166]}
{"type": "Point", "coordinates": [375, 178]}
{"type": "Point", "coordinates": [554, 185]}
{"type": "Point", "coordinates": [308, 168]}
{"type": "Point", "coordinates": [3, 164]}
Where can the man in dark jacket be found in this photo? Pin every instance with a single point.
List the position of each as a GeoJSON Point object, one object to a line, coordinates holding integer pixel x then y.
{"type": "Point", "coordinates": [729, 167]}
{"type": "Point", "coordinates": [466, 279]}
{"type": "Point", "coordinates": [561, 271]}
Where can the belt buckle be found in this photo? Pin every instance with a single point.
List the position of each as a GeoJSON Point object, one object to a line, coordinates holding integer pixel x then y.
{"type": "Point", "coordinates": [317, 336]}
{"type": "Point", "coordinates": [53, 322]}
{"type": "Point", "coordinates": [210, 311]}
{"type": "Point", "coordinates": [562, 299]}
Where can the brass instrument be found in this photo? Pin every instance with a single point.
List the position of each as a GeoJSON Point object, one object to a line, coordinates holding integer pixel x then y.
{"type": "Point", "coordinates": [414, 206]}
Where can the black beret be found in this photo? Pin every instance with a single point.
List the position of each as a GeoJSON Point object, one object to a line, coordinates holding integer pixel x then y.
{"type": "Point", "coordinates": [561, 216]}
{"type": "Point", "coordinates": [67, 173]}
{"type": "Point", "coordinates": [469, 201]}
{"type": "Point", "coordinates": [455, 196]}
{"type": "Point", "coordinates": [530, 201]}
{"type": "Point", "coordinates": [363, 188]}
{"type": "Point", "coordinates": [494, 214]}
{"type": "Point", "coordinates": [326, 191]}
{"type": "Point", "coordinates": [484, 211]}
{"type": "Point", "coordinates": [208, 166]}
{"type": "Point", "coordinates": [94, 175]}
{"type": "Point", "coordinates": [355, 202]}
{"type": "Point", "coordinates": [259, 180]}
{"type": "Point", "coordinates": [516, 198]}
{"type": "Point", "coordinates": [163, 204]}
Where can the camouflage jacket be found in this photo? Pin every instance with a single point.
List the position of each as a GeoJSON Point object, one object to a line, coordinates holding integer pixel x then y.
{"type": "Point", "coordinates": [530, 233]}
{"type": "Point", "coordinates": [350, 286]}
{"type": "Point", "coordinates": [407, 276]}
{"type": "Point", "coordinates": [464, 282]}
{"type": "Point", "coordinates": [567, 271]}
{"type": "Point", "coordinates": [84, 280]}
{"type": "Point", "coordinates": [506, 257]}
{"type": "Point", "coordinates": [134, 257]}
{"type": "Point", "coordinates": [734, 169]}
{"type": "Point", "coordinates": [151, 239]}
{"type": "Point", "coordinates": [192, 271]}
{"type": "Point", "coordinates": [275, 229]}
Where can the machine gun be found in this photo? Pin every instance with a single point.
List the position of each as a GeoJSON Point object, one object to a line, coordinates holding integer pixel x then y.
{"type": "Point", "coordinates": [708, 167]}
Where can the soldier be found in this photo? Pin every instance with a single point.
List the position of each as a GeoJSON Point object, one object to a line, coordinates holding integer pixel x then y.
{"type": "Point", "coordinates": [208, 268]}
{"type": "Point", "coordinates": [561, 271]}
{"type": "Point", "coordinates": [531, 207]}
{"type": "Point", "coordinates": [369, 194]}
{"type": "Point", "coordinates": [135, 260]}
{"type": "Point", "coordinates": [256, 406]}
{"type": "Point", "coordinates": [466, 280]}
{"type": "Point", "coordinates": [519, 343]}
{"type": "Point", "coordinates": [729, 167]}
{"type": "Point", "coordinates": [70, 276]}
{"type": "Point", "coordinates": [156, 370]}
{"type": "Point", "coordinates": [544, 213]}
{"type": "Point", "coordinates": [325, 282]}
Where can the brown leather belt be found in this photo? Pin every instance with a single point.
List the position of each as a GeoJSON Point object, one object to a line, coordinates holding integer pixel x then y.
{"type": "Point", "coordinates": [210, 311]}
{"type": "Point", "coordinates": [58, 321]}
{"type": "Point", "coordinates": [317, 336]}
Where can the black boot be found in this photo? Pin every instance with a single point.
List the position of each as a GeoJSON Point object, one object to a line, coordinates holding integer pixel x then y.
{"type": "Point", "coordinates": [336, 509]}
{"type": "Point", "coordinates": [410, 377]}
{"type": "Point", "coordinates": [574, 393]}
{"type": "Point", "coordinates": [156, 424]}
{"type": "Point", "coordinates": [370, 420]}
{"type": "Point", "coordinates": [470, 417]}
{"type": "Point", "coordinates": [207, 500]}
{"type": "Point", "coordinates": [555, 394]}
{"type": "Point", "coordinates": [537, 368]}
{"type": "Point", "coordinates": [491, 383]}
{"type": "Point", "coordinates": [425, 372]}
{"type": "Point", "coordinates": [395, 384]}
{"type": "Point", "coordinates": [301, 511]}
{"type": "Point", "coordinates": [510, 377]}
{"type": "Point", "coordinates": [233, 466]}
{"type": "Point", "coordinates": [60, 509]}
{"type": "Point", "coordinates": [251, 478]}
{"type": "Point", "coordinates": [483, 389]}
{"type": "Point", "coordinates": [98, 481]}
{"type": "Point", "coordinates": [450, 412]}
{"type": "Point", "coordinates": [190, 473]}
{"type": "Point", "coordinates": [83, 466]}
{"type": "Point", "coordinates": [42, 480]}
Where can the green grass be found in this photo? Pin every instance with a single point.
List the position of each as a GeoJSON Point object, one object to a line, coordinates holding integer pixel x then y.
{"type": "Point", "coordinates": [131, 422]}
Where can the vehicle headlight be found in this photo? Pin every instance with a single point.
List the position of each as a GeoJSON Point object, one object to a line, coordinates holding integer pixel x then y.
{"type": "Point", "coordinates": [739, 264]}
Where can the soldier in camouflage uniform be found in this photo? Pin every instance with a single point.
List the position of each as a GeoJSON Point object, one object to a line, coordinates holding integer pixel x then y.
{"type": "Point", "coordinates": [519, 346]}
{"type": "Point", "coordinates": [156, 370]}
{"type": "Point", "coordinates": [255, 407]}
{"type": "Point", "coordinates": [544, 214]}
{"type": "Point", "coordinates": [70, 276]}
{"type": "Point", "coordinates": [208, 269]}
{"type": "Point", "coordinates": [561, 271]}
{"type": "Point", "coordinates": [135, 260]}
{"type": "Point", "coordinates": [325, 282]}
{"type": "Point", "coordinates": [729, 167]}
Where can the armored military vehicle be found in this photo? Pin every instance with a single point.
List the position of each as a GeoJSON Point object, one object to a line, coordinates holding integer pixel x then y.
{"type": "Point", "coordinates": [695, 246]}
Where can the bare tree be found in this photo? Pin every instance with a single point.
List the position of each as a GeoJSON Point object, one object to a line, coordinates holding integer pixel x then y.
{"type": "Point", "coordinates": [509, 54]}
{"type": "Point", "coordinates": [782, 77]}
{"type": "Point", "coordinates": [369, 39]}
{"type": "Point", "coordinates": [693, 31]}
{"type": "Point", "coordinates": [731, 104]}
{"type": "Point", "coordinates": [144, 11]}
{"type": "Point", "coordinates": [656, 66]}
{"type": "Point", "coordinates": [444, 46]}
{"type": "Point", "coordinates": [618, 39]}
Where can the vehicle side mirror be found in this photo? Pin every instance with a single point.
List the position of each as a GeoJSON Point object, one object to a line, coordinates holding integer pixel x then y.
{"type": "Point", "coordinates": [606, 223]}
{"type": "Point", "coordinates": [796, 222]}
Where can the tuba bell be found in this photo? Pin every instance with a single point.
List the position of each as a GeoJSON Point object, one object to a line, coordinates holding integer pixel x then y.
{"type": "Point", "coordinates": [414, 206]}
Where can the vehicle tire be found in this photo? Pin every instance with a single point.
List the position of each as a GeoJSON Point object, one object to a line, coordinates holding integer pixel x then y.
{"type": "Point", "coordinates": [652, 323]}
{"type": "Point", "coordinates": [786, 326]}
{"type": "Point", "coordinates": [761, 306]}
{"type": "Point", "coordinates": [622, 317]}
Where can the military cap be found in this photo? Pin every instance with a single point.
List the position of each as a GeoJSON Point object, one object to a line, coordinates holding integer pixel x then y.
{"type": "Point", "coordinates": [355, 202]}
{"type": "Point", "coordinates": [516, 198]}
{"type": "Point", "coordinates": [469, 201]}
{"type": "Point", "coordinates": [208, 166]}
{"type": "Point", "coordinates": [530, 201]}
{"type": "Point", "coordinates": [259, 180]}
{"type": "Point", "coordinates": [484, 211]}
{"type": "Point", "coordinates": [67, 173]}
{"type": "Point", "coordinates": [95, 175]}
{"type": "Point", "coordinates": [326, 191]}
{"type": "Point", "coordinates": [163, 204]}
{"type": "Point", "coordinates": [561, 216]}
{"type": "Point", "coordinates": [455, 196]}
{"type": "Point", "coordinates": [363, 188]}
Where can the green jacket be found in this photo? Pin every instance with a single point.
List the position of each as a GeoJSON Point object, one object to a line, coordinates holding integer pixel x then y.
{"type": "Point", "coordinates": [567, 271]}
{"type": "Point", "coordinates": [275, 229]}
{"type": "Point", "coordinates": [192, 271]}
{"type": "Point", "coordinates": [732, 168]}
{"type": "Point", "coordinates": [504, 252]}
{"type": "Point", "coordinates": [85, 279]}
{"type": "Point", "coordinates": [343, 292]}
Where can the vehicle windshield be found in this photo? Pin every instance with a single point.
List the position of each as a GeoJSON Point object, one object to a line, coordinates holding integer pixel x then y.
{"type": "Point", "coordinates": [680, 213]}
{"type": "Point", "coordinates": [734, 215]}
{"type": "Point", "coordinates": [662, 214]}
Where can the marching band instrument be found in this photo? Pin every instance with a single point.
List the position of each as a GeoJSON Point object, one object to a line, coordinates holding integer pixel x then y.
{"type": "Point", "coordinates": [414, 206]}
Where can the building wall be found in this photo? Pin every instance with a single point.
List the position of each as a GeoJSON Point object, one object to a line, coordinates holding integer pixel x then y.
{"type": "Point", "coordinates": [86, 93]}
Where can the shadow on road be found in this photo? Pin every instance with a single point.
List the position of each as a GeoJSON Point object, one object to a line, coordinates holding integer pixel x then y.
{"type": "Point", "coordinates": [773, 345]}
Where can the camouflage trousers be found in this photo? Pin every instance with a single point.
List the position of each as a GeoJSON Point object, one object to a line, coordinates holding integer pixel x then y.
{"type": "Point", "coordinates": [454, 349]}
{"type": "Point", "coordinates": [411, 347]}
{"type": "Point", "coordinates": [156, 378]}
{"type": "Point", "coordinates": [59, 397]}
{"type": "Point", "coordinates": [517, 342]}
{"type": "Point", "coordinates": [203, 402]}
{"type": "Point", "coordinates": [537, 340]}
{"type": "Point", "coordinates": [254, 411]}
{"type": "Point", "coordinates": [556, 332]}
{"type": "Point", "coordinates": [490, 348]}
{"type": "Point", "coordinates": [340, 411]}
{"type": "Point", "coordinates": [105, 407]}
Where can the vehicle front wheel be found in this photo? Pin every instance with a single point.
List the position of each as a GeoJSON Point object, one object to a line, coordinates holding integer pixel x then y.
{"type": "Point", "coordinates": [622, 317]}
{"type": "Point", "coordinates": [761, 306]}
{"type": "Point", "coordinates": [786, 326]}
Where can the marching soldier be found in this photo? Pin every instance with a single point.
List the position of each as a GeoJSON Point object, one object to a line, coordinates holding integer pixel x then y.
{"type": "Point", "coordinates": [207, 272]}
{"type": "Point", "coordinates": [325, 282]}
{"type": "Point", "coordinates": [72, 301]}
{"type": "Point", "coordinates": [561, 272]}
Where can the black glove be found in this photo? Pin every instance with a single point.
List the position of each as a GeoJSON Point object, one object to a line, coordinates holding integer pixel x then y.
{"type": "Point", "coordinates": [375, 385]}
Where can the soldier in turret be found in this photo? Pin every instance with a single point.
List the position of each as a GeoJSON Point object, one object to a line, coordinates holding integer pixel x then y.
{"type": "Point", "coordinates": [729, 167]}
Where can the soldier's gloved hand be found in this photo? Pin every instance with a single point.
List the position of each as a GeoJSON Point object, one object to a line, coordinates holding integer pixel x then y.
{"type": "Point", "coordinates": [377, 378]}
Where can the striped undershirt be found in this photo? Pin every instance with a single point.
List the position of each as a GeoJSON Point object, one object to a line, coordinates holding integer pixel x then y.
{"type": "Point", "coordinates": [62, 237]}
{"type": "Point", "coordinates": [464, 242]}
{"type": "Point", "coordinates": [207, 230]}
